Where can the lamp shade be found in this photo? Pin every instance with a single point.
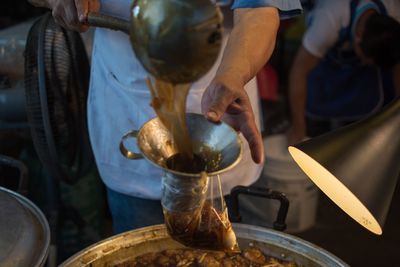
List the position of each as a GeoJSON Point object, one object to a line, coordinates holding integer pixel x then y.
{"type": "Point", "coordinates": [357, 166]}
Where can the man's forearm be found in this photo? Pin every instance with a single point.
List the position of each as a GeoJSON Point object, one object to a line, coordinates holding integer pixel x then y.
{"type": "Point", "coordinates": [250, 44]}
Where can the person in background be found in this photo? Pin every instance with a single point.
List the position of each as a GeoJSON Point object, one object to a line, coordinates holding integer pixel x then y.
{"type": "Point", "coordinates": [347, 67]}
{"type": "Point", "coordinates": [119, 99]}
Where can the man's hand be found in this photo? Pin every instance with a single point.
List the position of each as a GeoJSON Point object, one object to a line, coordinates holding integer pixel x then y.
{"type": "Point", "coordinates": [249, 46]}
{"type": "Point", "coordinates": [70, 14]}
{"type": "Point", "coordinates": [230, 103]}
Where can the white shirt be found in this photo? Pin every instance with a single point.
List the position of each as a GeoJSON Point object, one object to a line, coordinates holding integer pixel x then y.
{"type": "Point", "coordinates": [329, 16]}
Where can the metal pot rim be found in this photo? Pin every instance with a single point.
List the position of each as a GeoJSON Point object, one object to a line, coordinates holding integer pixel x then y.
{"type": "Point", "coordinates": [39, 216]}
{"type": "Point", "coordinates": [254, 233]}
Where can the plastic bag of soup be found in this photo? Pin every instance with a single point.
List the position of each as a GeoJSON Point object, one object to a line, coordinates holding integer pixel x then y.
{"type": "Point", "coordinates": [195, 212]}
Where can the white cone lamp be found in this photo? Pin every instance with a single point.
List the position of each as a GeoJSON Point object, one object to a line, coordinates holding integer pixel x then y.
{"type": "Point", "coordinates": [357, 166]}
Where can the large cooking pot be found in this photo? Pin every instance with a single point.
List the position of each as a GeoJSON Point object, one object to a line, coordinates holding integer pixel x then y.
{"type": "Point", "coordinates": [24, 231]}
{"type": "Point", "coordinates": [128, 245]}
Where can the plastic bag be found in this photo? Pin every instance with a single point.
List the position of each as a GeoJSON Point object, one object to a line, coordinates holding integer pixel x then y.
{"type": "Point", "coordinates": [195, 215]}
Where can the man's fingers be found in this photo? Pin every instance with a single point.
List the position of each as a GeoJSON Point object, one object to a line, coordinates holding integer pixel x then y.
{"type": "Point", "coordinates": [58, 15]}
{"type": "Point", "coordinates": [217, 108]}
{"type": "Point", "coordinates": [82, 9]}
{"type": "Point", "coordinates": [234, 106]}
{"type": "Point", "coordinates": [256, 147]}
{"type": "Point", "coordinates": [64, 16]}
{"type": "Point", "coordinates": [94, 6]}
{"type": "Point", "coordinates": [217, 103]}
{"type": "Point", "coordinates": [253, 137]}
{"type": "Point", "coordinates": [70, 14]}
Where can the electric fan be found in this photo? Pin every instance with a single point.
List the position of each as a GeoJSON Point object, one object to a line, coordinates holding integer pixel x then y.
{"type": "Point", "coordinates": [56, 86]}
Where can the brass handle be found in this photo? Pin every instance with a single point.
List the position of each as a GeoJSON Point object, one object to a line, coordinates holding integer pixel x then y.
{"type": "Point", "coordinates": [103, 21]}
{"type": "Point", "coordinates": [124, 151]}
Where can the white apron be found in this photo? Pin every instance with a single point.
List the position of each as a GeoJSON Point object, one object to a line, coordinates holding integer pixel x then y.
{"type": "Point", "coordinates": [119, 101]}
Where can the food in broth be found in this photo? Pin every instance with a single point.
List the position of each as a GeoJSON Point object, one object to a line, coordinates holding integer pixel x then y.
{"type": "Point", "coordinates": [251, 257]}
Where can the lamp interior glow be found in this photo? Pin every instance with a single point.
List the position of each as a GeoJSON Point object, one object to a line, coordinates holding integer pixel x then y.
{"type": "Point", "coordinates": [335, 190]}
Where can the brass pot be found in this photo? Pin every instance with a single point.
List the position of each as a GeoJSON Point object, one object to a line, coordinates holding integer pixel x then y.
{"type": "Point", "coordinates": [128, 245]}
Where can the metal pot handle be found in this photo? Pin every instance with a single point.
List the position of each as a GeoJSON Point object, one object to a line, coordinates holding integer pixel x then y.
{"type": "Point", "coordinates": [22, 187]}
{"type": "Point", "coordinates": [103, 21]}
{"type": "Point", "coordinates": [279, 224]}
{"type": "Point", "coordinates": [125, 152]}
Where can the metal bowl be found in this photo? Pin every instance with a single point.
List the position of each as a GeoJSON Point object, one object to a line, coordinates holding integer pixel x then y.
{"type": "Point", "coordinates": [128, 245]}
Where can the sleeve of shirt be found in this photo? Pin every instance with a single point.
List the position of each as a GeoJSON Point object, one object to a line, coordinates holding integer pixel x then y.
{"type": "Point", "coordinates": [287, 8]}
{"type": "Point", "coordinates": [323, 31]}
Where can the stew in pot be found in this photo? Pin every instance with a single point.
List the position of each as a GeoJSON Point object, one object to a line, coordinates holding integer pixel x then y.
{"type": "Point", "coordinates": [251, 257]}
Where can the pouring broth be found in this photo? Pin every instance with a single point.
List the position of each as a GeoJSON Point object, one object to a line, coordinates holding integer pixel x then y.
{"type": "Point", "coordinates": [169, 103]}
{"type": "Point", "coordinates": [197, 220]}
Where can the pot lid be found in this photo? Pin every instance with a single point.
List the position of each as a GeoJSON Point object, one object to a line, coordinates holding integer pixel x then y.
{"type": "Point", "coordinates": [24, 231]}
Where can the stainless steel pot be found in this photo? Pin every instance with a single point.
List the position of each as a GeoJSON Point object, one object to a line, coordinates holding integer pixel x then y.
{"type": "Point", "coordinates": [24, 231]}
{"type": "Point", "coordinates": [128, 245]}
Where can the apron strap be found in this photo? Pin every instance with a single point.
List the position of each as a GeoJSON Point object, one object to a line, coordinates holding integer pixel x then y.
{"type": "Point", "coordinates": [345, 34]}
{"type": "Point", "coordinates": [380, 6]}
